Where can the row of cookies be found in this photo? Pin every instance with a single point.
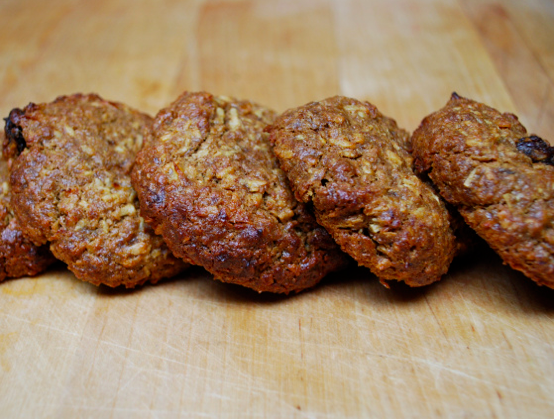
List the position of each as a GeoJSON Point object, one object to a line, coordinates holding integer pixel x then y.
{"type": "Point", "coordinates": [233, 187]}
{"type": "Point", "coordinates": [368, 182]}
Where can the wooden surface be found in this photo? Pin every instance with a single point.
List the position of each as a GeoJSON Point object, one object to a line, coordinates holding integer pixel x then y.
{"type": "Point", "coordinates": [478, 344]}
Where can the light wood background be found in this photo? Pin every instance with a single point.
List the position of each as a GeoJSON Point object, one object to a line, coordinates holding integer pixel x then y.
{"type": "Point", "coordinates": [478, 344]}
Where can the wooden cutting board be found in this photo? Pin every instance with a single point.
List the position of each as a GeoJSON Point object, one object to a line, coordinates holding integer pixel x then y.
{"type": "Point", "coordinates": [480, 343]}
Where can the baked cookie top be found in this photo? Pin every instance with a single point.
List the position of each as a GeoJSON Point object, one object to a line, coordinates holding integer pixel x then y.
{"type": "Point", "coordinates": [18, 255]}
{"type": "Point", "coordinates": [352, 163]}
{"type": "Point", "coordinates": [71, 187]}
{"type": "Point", "coordinates": [210, 184]}
{"type": "Point", "coordinates": [500, 178]}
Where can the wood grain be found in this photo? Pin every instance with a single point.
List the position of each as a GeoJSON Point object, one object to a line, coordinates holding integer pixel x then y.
{"type": "Point", "coordinates": [408, 63]}
{"type": "Point", "coordinates": [477, 344]}
{"type": "Point", "coordinates": [269, 55]}
{"type": "Point", "coordinates": [523, 58]}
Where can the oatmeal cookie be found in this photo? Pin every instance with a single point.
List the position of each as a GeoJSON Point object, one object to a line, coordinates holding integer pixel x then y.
{"type": "Point", "coordinates": [210, 184]}
{"type": "Point", "coordinates": [18, 255]}
{"type": "Point", "coordinates": [500, 178]}
{"type": "Point", "coordinates": [352, 163]}
{"type": "Point", "coordinates": [71, 187]}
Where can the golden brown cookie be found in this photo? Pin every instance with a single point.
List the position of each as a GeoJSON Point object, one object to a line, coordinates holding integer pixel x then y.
{"type": "Point", "coordinates": [352, 163]}
{"type": "Point", "coordinates": [71, 187]}
{"type": "Point", "coordinates": [500, 178]}
{"type": "Point", "coordinates": [18, 255]}
{"type": "Point", "coordinates": [210, 184]}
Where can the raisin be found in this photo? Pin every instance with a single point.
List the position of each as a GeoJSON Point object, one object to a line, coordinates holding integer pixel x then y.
{"type": "Point", "coordinates": [537, 149]}
{"type": "Point", "coordinates": [13, 131]}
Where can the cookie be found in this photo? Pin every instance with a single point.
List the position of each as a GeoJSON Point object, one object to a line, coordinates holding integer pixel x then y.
{"type": "Point", "coordinates": [210, 184]}
{"type": "Point", "coordinates": [18, 255]}
{"type": "Point", "coordinates": [352, 164]}
{"type": "Point", "coordinates": [71, 187]}
{"type": "Point", "coordinates": [500, 178]}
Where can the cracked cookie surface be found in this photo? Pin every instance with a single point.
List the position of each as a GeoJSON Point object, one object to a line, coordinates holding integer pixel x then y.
{"type": "Point", "coordinates": [71, 188]}
{"type": "Point", "coordinates": [18, 255]}
{"type": "Point", "coordinates": [211, 185]}
{"type": "Point", "coordinates": [352, 163]}
{"type": "Point", "coordinates": [500, 178]}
